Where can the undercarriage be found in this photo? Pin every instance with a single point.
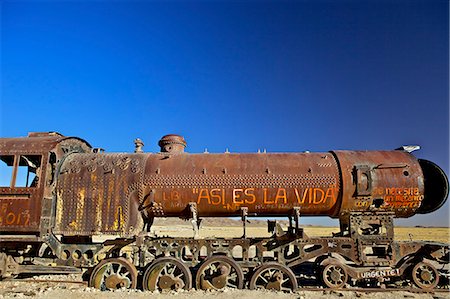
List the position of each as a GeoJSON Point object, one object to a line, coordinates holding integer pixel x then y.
{"type": "Point", "coordinates": [363, 255]}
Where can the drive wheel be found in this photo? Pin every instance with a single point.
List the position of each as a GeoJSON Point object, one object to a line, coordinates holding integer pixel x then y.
{"type": "Point", "coordinates": [425, 276]}
{"type": "Point", "coordinates": [274, 276]}
{"type": "Point", "coordinates": [334, 275]}
{"type": "Point", "coordinates": [219, 272]}
{"type": "Point", "coordinates": [167, 274]}
{"type": "Point", "coordinates": [114, 273]}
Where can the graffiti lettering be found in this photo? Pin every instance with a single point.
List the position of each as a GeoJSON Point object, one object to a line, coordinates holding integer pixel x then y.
{"type": "Point", "coordinates": [316, 196]}
{"type": "Point", "coordinates": [281, 194]}
{"type": "Point", "coordinates": [173, 195]}
{"type": "Point", "coordinates": [363, 203]}
{"type": "Point", "coordinates": [266, 201]}
{"type": "Point", "coordinates": [399, 197]}
{"type": "Point", "coordinates": [244, 196]}
{"type": "Point", "coordinates": [204, 194]}
{"type": "Point", "coordinates": [380, 273]}
{"type": "Point", "coordinates": [217, 196]}
{"type": "Point", "coordinates": [8, 217]}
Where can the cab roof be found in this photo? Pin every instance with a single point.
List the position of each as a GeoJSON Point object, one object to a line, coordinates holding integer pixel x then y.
{"type": "Point", "coordinates": [35, 142]}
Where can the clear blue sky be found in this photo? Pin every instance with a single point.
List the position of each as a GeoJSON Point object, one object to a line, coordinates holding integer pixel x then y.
{"type": "Point", "coordinates": [243, 75]}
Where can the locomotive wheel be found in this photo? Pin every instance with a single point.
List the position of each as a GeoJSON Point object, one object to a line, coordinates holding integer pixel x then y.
{"type": "Point", "coordinates": [334, 275]}
{"type": "Point", "coordinates": [274, 276]}
{"type": "Point", "coordinates": [114, 273]}
{"type": "Point", "coordinates": [219, 272]}
{"type": "Point", "coordinates": [425, 276]}
{"type": "Point", "coordinates": [166, 274]}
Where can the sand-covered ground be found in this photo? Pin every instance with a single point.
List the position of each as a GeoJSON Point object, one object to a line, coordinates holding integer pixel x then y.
{"type": "Point", "coordinates": [230, 228]}
{"type": "Point", "coordinates": [53, 290]}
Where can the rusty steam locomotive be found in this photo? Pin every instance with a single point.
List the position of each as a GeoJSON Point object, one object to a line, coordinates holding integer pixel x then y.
{"type": "Point", "coordinates": [58, 193]}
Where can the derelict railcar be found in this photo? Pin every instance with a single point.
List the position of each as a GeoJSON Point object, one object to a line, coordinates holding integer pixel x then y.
{"type": "Point", "coordinates": [57, 193]}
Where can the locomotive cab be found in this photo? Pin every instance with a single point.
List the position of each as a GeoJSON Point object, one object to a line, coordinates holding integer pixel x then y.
{"type": "Point", "coordinates": [27, 171]}
{"type": "Point", "coordinates": [22, 179]}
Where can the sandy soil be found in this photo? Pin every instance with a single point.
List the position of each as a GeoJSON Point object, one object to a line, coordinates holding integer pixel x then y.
{"type": "Point", "coordinates": [14, 289]}
{"type": "Point", "coordinates": [230, 228]}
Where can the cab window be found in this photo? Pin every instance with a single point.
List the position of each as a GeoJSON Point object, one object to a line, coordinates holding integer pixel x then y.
{"type": "Point", "coordinates": [28, 171]}
{"type": "Point", "coordinates": [25, 167]}
{"type": "Point", "coordinates": [6, 170]}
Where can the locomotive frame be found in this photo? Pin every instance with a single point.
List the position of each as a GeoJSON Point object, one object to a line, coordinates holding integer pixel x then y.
{"type": "Point", "coordinates": [38, 236]}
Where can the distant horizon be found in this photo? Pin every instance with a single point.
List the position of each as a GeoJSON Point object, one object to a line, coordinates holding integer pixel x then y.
{"type": "Point", "coordinates": [260, 220]}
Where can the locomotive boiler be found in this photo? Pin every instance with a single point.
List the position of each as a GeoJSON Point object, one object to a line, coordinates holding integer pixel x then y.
{"type": "Point", "coordinates": [58, 192]}
{"type": "Point", "coordinates": [109, 192]}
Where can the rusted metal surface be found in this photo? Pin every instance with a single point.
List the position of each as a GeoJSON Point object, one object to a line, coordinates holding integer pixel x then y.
{"type": "Point", "coordinates": [172, 143]}
{"type": "Point", "coordinates": [114, 273]}
{"type": "Point", "coordinates": [73, 192]}
{"type": "Point", "coordinates": [97, 193]}
{"type": "Point", "coordinates": [21, 205]}
{"type": "Point", "coordinates": [167, 274]}
{"type": "Point", "coordinates": [380, 180]}
{"type": "Point", "coordinates": [221, 184]}
{"type": "Point", "coordinates": [107, 192]}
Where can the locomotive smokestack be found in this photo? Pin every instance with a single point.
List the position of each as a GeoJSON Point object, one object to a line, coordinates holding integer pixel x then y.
{"type": "Point", "coordinates": [172, 143]}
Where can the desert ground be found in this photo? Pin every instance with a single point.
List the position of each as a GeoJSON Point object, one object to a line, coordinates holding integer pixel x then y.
{"type": "Point", "coordinates": [33, 288]}
{"type": "Point", "coordinates": [230, 228]}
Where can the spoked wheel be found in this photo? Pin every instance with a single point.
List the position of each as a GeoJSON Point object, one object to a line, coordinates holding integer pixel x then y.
{"type": "Point", "coordinates": [274, 276]}
{"type": "Point", "coordinates": [114, 273]}
{"type": "Point", "coordinates": [219, 272]}
{"type": "Point", "coordinates": [425, 276]}
{"type": "Point", "coordinates": [166, 274]}
{"type": "Point", "coordinates": [334, 275]}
